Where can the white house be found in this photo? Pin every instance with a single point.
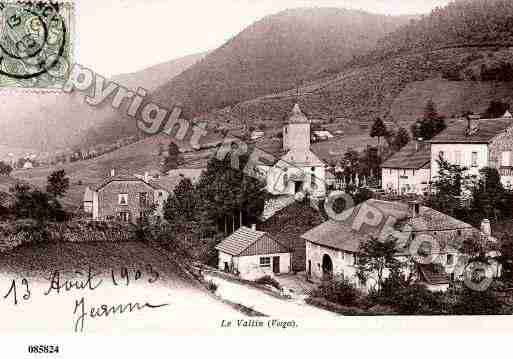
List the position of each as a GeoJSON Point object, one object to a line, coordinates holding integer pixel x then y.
{"type": "Point", "coordinates": [477, 143]}
{"type": "Point", "coordinates": [252, 254]}
{"type": "Point", "coordinates": [409, 170]}
{"type": "Point", "coordinates": [299, 169]}
{"type": "Point", "coordinates": [333, 247]}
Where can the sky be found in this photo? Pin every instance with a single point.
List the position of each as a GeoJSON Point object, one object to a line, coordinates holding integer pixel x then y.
{"type": "Point", "coordinates": [122, 36]}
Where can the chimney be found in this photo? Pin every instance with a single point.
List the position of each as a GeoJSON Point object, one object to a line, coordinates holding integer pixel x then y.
{"type": "Point", "coordinates": [486, 228]}
{"type": "Point", "coordinates": [253, 227]}
{"type": "Point", "coordinates": [146, 177]}
{"type": "Point", "coordinates": [112, 172]}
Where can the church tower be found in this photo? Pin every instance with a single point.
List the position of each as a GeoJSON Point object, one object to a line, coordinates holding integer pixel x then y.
{"type": "Point", "coordinates": [296, 133]}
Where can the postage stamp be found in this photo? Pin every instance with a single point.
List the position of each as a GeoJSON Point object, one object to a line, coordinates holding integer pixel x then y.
{"type": "Point", "coordinates": [35, 44]}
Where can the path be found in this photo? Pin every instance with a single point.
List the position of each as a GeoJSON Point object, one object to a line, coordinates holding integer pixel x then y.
{"type": "Point", "coordinates": [272, 306]}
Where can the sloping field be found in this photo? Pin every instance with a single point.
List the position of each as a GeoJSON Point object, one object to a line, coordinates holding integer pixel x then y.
{"type": "Point", "coordinates": [189, 306]}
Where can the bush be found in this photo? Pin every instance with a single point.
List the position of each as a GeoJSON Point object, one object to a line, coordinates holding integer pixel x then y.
{"type": "Point", "coordinates": [337, 290]}
{"type": "Point", "coordinates": [268, 280]}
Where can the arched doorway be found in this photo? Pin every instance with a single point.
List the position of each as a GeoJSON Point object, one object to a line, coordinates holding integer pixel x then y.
{"type": "Point", "coordinates": [327, 266]}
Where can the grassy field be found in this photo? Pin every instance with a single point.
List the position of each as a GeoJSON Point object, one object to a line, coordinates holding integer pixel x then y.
{"type": "Point", "coordinates": [189, 305]}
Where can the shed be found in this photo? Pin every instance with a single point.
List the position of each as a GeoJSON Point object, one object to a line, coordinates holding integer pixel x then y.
{"type": "Point", "coordinates": [251, 254]}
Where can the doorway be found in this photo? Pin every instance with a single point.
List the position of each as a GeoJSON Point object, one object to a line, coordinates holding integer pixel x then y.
{"type": "Point", "coordinates": [298, 187]}
{"type": "Point", "coordinates": [276, 265]}
{"type": "Point", "coordinates": [327, 266]}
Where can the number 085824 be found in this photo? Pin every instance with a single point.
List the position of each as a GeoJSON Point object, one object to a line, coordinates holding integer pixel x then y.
{"type": "Point", "coordinates": [43, 349]}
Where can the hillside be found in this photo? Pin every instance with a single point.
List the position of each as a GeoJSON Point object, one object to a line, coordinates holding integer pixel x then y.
{"type": "Point", "coordinates": [461, 23]}
{"type": "Point", "coordinates": [277, 53]}
{"type": "Point", "coordinates": [401, 74]}
{"type": "Point", "coordinates": [58, 120]}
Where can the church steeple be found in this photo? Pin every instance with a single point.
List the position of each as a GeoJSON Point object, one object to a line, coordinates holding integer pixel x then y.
{"type": "Point", "coordinates": [296, 132]}
{"type": "Point", "coordinates": [297, 116]}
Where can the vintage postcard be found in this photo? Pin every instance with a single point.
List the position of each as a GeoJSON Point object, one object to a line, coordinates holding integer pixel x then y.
{"type": "Point", "coordinates": [255, 167]}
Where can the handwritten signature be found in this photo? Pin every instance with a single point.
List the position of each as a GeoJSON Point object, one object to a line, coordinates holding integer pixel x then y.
{"type": "Point", "coordinates": [106, 311]}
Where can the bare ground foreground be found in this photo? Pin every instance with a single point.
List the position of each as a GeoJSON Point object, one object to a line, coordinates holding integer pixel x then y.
{"type": "Point", "coordinates": [152, 278]}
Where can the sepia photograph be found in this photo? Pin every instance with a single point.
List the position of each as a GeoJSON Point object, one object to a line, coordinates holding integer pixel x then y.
{"type": "Point", "coordinates": [258, 167]}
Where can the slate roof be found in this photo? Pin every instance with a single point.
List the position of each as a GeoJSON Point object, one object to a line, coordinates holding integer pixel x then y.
{"type": "Point", "coordinates": [410, 157]}
{"type": "Point", "coordinates": [340, 234]}
{"type": "Point", "coordinates": [488, 129]}
{"type": "Point", "coordinates": [239, 241]}
{"type": "Point", "coordinates": [122, 178]}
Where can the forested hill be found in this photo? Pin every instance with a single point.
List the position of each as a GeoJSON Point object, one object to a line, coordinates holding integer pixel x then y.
{"type": "Point", "coordinates": [459, 24]}
{"type": "Point", "coordinates": [275, 54]}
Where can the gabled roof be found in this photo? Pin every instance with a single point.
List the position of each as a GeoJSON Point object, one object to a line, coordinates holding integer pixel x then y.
{"type": "Point", "coordinates": [487, 130]}
{"type": "Point", "coordinates": [121, 178]}
{"type": "Point", "coordinates": [341, 235]}
{"type": "Point", "coordinates": [412, 156]}
{"type": "Point", "coordinates": [242, 239]}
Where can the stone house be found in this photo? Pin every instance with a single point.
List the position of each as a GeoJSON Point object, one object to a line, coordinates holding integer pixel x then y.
{"type": "Point", "coordinates": [476, 143]}
{"type": "Point", "coordinates": [127, 198]}
{"type": "Point", "coordinates": [333, 247]}
{"type": "Point", "coordinates": [252, 254]}
{"type": "Point", "coordinates": [409, 170]}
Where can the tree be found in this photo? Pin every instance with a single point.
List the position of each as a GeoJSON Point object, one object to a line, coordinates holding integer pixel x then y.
{"type": "Point", "coordinates": [376, 258]}
{"type": "Point", "coordinates": [57, 183]}
{"type": "Point", "coordinates": [230, 196]}
{"type": "Point", "coordinates": [174, 158]}
{"type": "Point", "coordinates": [496, 109]}
{"type": "Point", "coordinates": [448, 187]}
{"type": "Point", "coordinates": [35, 204]}
{"type": "Point", "coordinates": [378, 130]}
{"type": "Point", "coordinates": [5, 169]}
{"type": "Point", "coordinates": [401, 139]}
{"type": "Point", "coordinates": [181, 205]}
{"type": "Point", "coordinates": [430, 125]}
{"type": "Point", "coordinates": [488, 194]}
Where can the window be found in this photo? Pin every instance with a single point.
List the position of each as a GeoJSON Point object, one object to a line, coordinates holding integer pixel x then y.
{"type": "Point", "coordinates": [124, 216]}
{"type": "Point", "coordinates": [265, 262]}
{"type": "Point", "coordinates": [161, 194]}
{"type": "Point", "coordinates": [123, 199]}
{"type": "Point", "coordinates": [450, 259]}
{"type": "Point", "coordinates": [441, 154]}
{"type": "Point", "coordinates": [313, 169]}
{"type": "Point", "coordinates": [457, 158]}
{"type": "Point", "coordinates": [390, 172]}
{"type": "Point", "coordinates": [474, 159]}
{"type": "Point", "coordinates": [507, 159]}
{"type": "Point", "coordinates": [143, 199]}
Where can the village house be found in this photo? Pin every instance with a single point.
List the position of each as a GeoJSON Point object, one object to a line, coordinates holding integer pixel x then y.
{"type": "Point", "coordinates": [476, 143]}
{"type": "Point", "coordinates": [127, 198]}
{"type": "Point", "coordinates": [409, 170]}
{"type": "Point", "coordinates": [333, 247]}
{"type": "Point", "coordinates": [298, 170]}
{"type": "Point", "coordinates": [252, 254]}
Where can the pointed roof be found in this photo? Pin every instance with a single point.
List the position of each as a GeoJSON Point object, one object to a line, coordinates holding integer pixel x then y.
{"type": "Point", "coordinates": [507, 115]}
{"type": "Point", "coordinates": [297, 116]}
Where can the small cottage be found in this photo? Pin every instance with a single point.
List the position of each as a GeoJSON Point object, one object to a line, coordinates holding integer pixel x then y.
{"type": "Point", "coordinates": [252, 254]}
